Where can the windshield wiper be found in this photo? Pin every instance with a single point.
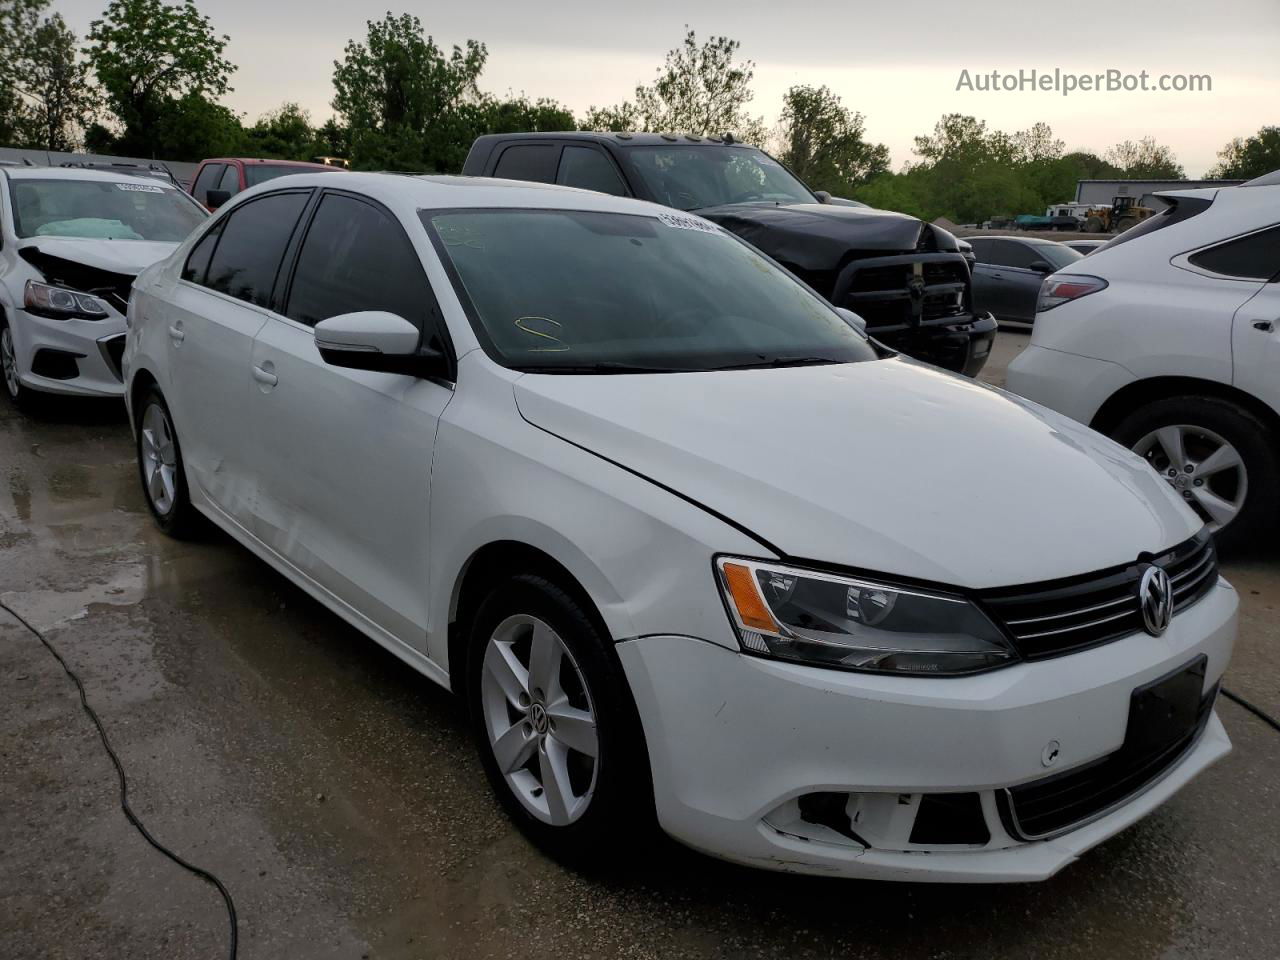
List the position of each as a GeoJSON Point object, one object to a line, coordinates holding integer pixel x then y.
{"type": "Point", "coordinates": [778, 362]}
{"type": "Point", "coordinates": [604, 366]}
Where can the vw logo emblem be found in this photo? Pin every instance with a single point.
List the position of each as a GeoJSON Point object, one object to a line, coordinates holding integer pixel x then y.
{"type": "Point", "coordinates": [1155, 597]}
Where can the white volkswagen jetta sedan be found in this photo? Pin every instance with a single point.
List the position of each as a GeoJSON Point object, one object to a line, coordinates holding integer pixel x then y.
{"type": "Point", "coordinates": [71, 243]}
{"type": "Point", "coordinates": [690, 547]}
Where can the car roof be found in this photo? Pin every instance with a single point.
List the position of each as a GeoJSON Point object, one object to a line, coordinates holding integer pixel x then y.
{"type": "Point", "coordinates": [1010, 236]}
{"type": "Point", "coordinates": [456, 193]}
{"type": "Point", "coordinates": [267, 162]}
{"type": "Point", "coordinates": [82, 173]}
{"type": "Point", "coordinates": [625, 139]}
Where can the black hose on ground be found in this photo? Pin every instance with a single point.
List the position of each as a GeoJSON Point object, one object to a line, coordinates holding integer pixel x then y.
{"type": "Point", "coordinates": [124, 785]}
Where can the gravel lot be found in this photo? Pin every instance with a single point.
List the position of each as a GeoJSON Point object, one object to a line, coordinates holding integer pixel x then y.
{"type": "Point", "coordinates": [338, 796]}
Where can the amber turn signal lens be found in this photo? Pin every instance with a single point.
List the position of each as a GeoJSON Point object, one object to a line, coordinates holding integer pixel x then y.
{"type": "Point", "coordinates": [746, 598]}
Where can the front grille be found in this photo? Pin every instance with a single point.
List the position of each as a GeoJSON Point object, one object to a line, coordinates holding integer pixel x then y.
{"type": "Point", "coordinates": [1062, 616]}
{"type": "Point", "coordinates": [898, 292]}
{"type": "Point", "coordinates": [1068, 800]}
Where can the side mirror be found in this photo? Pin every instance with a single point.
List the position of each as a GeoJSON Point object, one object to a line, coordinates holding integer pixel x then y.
{"type": "Point", "coordinates": [851, 318]}
{"type": "Point", "coordinates": [379, 341]}
{"type": "Point", "coordinates": [216, 198]}
{"type": "Point", "coordinates": [823, 196]}
{"type": "Point", "coordinates": [1040, 266]}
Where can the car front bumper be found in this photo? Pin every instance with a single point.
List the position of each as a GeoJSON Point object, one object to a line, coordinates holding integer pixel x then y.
{"type": "Point", "coordinates": [81, 358]}
{"type": "Point", "coordinates": [734, 741]}
{"type": "Point", "coordinates": [960, 347]}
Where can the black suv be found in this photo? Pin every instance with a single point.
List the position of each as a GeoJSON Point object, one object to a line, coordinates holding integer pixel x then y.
{"type": "Point", "coordinates": [907, 279]}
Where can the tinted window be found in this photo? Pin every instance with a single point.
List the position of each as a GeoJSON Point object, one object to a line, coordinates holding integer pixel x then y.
{"type": "Point", "coordinates": [356, 257]}
{"type": "Point", "coordinates": [230, 181]}
{"type": "Point", "coordinates": [198, 260]}
{"type": "Point", "coordinates": [1013, 253]}
{"type": "Point", "coordinates": [981, 249]}
{"type": "Point", "coordinates": [590, 169]}
{"type": "Point", "coordinates": [1255, 257]}
{"type": "Point", "coordinates": [207, 181]}
{"type": "Point", "coordinates": [532, 161]}
{"type": "Point", "coordinates": [245, 262]}
{"type": "Point", "coordinates": [568, 291]}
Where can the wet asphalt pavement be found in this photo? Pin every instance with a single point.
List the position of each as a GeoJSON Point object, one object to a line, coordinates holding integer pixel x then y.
{"type": "Point", "coordinates": [338, 796]}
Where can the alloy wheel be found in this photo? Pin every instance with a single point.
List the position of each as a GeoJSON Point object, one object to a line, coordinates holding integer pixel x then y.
{"type": "Point", "coordinates": [159, 458]}
{"type": "Point", "coordinates": [1202, 466]}
{"type": "Point", "coordinates": [540, 720]}
{"type": "Point", "coordinates": [9, 361]}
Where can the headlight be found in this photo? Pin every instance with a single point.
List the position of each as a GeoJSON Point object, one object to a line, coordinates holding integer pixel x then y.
{"type": "Point", "coordinates": [855, 624]}
{"type": "Point", "coordinates": [61, 303]}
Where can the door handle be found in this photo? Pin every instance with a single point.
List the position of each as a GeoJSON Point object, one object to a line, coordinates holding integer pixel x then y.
{"type": "Point", "coordinates": [265, 377]}
{"type": "Point", "coordinates": [175, 331]}
{"type": "Point", "coordinates": [1266, 326]}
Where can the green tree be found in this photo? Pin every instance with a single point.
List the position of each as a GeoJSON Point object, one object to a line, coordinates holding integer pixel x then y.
{"type": "Point", "coordinates": [1247, 157]}
{"type": "Point", "coordinates": [153, 61]}
{"type": "Point", "coordinates": [56, 84]}
{"type": "Point", "coordinates": [19, 21]}
{"type": "Point", "coordinates": [406, 104]}
{"type": "Point", "coordinates": [522, 115]}
{"type": "Point", "coordinates": [703, 90]}
{"type": "Point", "coordinates": [193, 128]}
{"type": "Point", "coordinates": [1145, 160]}
{"type": "Point", "coordinates": [823, 142]}
{"type": "Point", "coordinates": [283, 134]}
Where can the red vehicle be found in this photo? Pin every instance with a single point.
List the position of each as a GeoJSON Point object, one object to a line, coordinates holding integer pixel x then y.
{"type": "Point", "coordinates": [218, 180]}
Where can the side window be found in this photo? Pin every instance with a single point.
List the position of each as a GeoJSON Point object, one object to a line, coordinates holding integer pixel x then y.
{"type": "Point", "coordinates": [248, 256]}
{"type": "Point", "coordinates": [981, 249]}
{"type": "Point", "coordinates": [206, 181]}
{"type": "Point", "coordinates": [1255, 257]}
{"type": "Point", "coordinates": [230, 181]}
{"type": "Point", "coordinates": [356, 257]}
{"type": "Point", "coordinates": [590, 169]}
{"type": "Point", "coordinates": [197, 264]}
{"type": "Point", "coordinates": [1014, 253]}
{"type": "Point", "coordinates": [528, 161]}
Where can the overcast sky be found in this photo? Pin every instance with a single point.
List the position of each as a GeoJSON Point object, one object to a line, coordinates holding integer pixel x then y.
{"type": "Point", "coordinates": [896, 61]}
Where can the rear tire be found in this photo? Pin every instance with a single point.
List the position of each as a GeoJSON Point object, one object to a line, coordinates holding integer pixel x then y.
{"type": "Point", "coordinates": [1093, 225]}
{"type": "Point", "coordinates": [1211, 427]}
{"type": "Point", "coordinates": [545, 721]}
{"type": "Point", "coordinates": [164, 479]}
{"type": "Point", "coordinates": [22, 397]}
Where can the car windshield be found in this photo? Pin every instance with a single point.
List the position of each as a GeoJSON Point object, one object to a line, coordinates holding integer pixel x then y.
{"type": "Point", "coordinates": [256, 173]}
{"type": "Point", "coordinates": [102, 209]}
{"type": "Point", "coordinates": [574, 292]}
{"type": "Point", "coordinates": [691, 177]}
{"type": "Point", "coordinates": [1058, 255]}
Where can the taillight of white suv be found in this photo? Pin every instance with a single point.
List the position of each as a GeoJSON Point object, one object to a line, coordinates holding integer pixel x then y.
{"type": "Point", "coordinates": [1060, 288]}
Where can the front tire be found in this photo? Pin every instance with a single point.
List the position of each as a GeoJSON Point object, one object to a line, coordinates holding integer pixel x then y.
{"type": "Point", "coordinates": [1221, 458]}
{"type": "Point", "coordinates": [555, 723]}
{"type": "Point", "coordinates": [164, 480]}
{"type": "Point", "coordinates": [22, 397]}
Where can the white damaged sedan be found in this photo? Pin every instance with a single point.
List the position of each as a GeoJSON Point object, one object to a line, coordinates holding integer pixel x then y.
{"type": "Point", "coordinates": [692, 550]}
{"type": "Point", "coordinates": [71, 243]}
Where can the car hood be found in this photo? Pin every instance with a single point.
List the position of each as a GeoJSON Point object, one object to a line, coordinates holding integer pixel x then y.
{"type": "Point", "coordinates": [126, 257]}
{"type": "Point", "coordinates": [888, 466]}
{"type": "Point", "coordinates": [818, 236]}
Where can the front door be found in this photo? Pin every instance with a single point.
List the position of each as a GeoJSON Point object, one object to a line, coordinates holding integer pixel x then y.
{"type": "Point", "coordinates": [345, 455]}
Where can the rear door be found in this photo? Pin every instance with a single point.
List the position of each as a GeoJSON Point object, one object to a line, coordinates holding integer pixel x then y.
{"type": "Point", "coordinates": [344, 456]}
{"type": "Point", "coordinates": [217, 307]}
{"type": "Point", "coordinates": [1018, 286]}
{"type": "Point", "coordinates": [990, 292]}
{"type": "Point", "coordinates": [1255, 328]}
